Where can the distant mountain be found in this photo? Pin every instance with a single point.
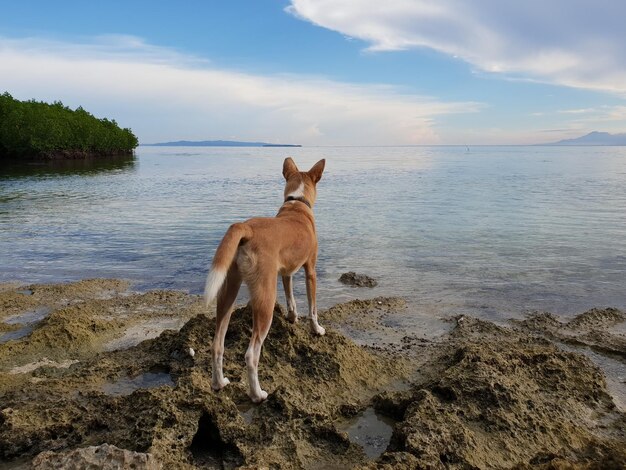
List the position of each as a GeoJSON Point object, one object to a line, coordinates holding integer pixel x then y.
{"type": "Point", "coordinates": [217, 143]}
{"type": "Point", "coordinates": [595, 138]}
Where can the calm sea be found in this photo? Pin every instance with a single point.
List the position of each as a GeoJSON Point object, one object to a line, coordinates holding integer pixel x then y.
{"type": "Point", "coordinates": [491, 231]}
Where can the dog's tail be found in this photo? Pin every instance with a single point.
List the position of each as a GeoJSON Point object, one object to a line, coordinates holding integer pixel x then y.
{"type": "Point", "coordinates": [223, 258]}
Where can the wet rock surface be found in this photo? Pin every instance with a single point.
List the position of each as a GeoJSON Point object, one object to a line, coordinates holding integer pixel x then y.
{"type": "Point", "coordinates": [496, 399]}
{"type": "Point", "coordinates": [481, 396]}
{"type": "Point", "coordinates": [83, 317]}
{"type": "Point", "coordinates": [365, 321]}
{"type": "Point", "coordinates": [597, 329]}
{"type": "Point", "coordinates": [357, 280]}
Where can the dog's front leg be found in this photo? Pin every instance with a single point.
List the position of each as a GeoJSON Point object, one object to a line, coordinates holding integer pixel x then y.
{"type": "Point", "coordinates": [292, 314]}
{"type": "Point", "coordinates": [311, 285]}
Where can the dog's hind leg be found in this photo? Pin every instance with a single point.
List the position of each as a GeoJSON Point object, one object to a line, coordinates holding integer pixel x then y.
{"type": "Point", "coordinates": [263, 298]}
{"type": "Point", "coordinates": [311, 286]}
{"type": "Point", "coordinates": [225, 301]}
{"type": "Point", "coordinates": [292, 313]}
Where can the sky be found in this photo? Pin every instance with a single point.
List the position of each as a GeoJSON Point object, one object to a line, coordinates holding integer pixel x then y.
{"type": "Point", "coordinates": [326, 72]}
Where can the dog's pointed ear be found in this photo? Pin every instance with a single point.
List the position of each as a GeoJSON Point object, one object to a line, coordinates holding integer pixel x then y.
{"type": "Point", "coordinates": [316, 172]}
{"type": "Point", "coordinates": [289, 167]}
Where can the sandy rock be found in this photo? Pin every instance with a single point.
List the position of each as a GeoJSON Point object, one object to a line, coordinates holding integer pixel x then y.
{"type": "Point", "coordinates": [597, 318]}
{"type": "Point", "coordinates": [357, 280]}
{"type": "Point", "coordinates": [499, 399]}
{"type": "Point", "coordinates": [481, 396]}
{"type": "Point", "coordinates": [104, 457]}
{"type": "Point", "coordinates": [188, 425]}
{"type": "Point", "coordinates": [85, 317]}
{"type": "Point", "coordinates": [594, 328]}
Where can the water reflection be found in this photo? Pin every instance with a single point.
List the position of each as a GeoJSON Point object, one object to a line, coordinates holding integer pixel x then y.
{"type": "Point", "coordinates": [82, 167]}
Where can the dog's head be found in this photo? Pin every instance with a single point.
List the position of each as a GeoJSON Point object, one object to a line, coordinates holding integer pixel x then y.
{"type": "Point", "coordinates": [302, 184]}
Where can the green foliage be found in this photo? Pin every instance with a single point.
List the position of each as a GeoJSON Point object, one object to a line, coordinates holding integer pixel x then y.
{"type": "Point", "coordinates": [34, 128]}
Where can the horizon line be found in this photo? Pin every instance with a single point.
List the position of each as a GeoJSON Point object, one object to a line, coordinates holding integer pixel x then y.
{"type": "Point", "coordinates": [160, 144]}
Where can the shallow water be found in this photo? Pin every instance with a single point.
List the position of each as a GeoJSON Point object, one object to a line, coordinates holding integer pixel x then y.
{"type": "Point", "coordinates": [30, 316]}
{"type": "Point", "coordinates": [492, 232]}
{"type": "Point", "coordinates": [28, 319]}
{"type": "Point", "coordinates": [370, 430]}
{"type": "Point", "coordinates": [127, 385]}
{"type": "Point", "coordinates": [147, 329]}
{"type": "Point", "coordinates": [248, 411]}
{"type": "Point", "coordinates": [16, 334]}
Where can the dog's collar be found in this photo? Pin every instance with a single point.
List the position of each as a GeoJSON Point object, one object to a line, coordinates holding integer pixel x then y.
{"type": "Point", "coordinates": [301, 199]}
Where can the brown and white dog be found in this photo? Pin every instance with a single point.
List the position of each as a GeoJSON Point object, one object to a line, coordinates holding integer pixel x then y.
{"type": "Point", "coordinates": [256, 252]}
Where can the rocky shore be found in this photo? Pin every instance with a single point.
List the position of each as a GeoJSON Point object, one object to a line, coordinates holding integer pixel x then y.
{"type": "Point", "coordinates": [93, 373]}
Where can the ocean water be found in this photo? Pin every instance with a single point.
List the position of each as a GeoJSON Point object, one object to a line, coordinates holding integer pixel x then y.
{"type": "Point", "coordinates": [489, 231]}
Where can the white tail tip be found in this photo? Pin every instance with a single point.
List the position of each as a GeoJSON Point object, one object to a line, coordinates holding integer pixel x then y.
{"type": "Point", "coordinates": [214, 282]}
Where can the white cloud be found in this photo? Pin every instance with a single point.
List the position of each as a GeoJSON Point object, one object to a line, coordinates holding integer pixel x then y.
{"type": "Point", "coordinates": [578, 121]}
{"type": "Point", "coordinates": [166, 95]}
{"type": "Point", "coordinates": [610, 118]}
{"type": "Point", "coordinates": [577, 111]}
{"type": "Point", "coordinates": [576, 43]}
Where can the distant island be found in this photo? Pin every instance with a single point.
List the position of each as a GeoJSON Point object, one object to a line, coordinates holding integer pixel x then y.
{"type": "Point", "coordinates": [218, 143]}
{"type": "Point", "coordinates": [34, 130]}
{"type": "Point", "coordinates": [594, 138]}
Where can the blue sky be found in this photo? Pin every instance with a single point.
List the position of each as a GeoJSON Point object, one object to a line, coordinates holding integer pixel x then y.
{"type": "Point", "coordinates": [327, 72]}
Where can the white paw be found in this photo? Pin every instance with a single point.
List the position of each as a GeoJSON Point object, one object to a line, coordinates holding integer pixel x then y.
{"type": "Point", "coordinates": [217, 385]}
{"type": "Point", "coordinates": [262, 396]}
{"type": "Point", "coordinates": [292, 317]}
{"type": "Point", "coordinates": [318, 330]}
